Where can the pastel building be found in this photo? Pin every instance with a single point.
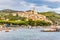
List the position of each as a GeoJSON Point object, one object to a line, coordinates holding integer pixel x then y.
{"type": "Point", "coordinates": [31, 14]}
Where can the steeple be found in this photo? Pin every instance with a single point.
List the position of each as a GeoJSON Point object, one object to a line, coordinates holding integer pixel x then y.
{"type": "Point", "coordinates": [34, 10]}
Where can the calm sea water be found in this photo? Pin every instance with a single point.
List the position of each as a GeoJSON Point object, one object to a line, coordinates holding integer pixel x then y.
{"type": "Point", "coordinates": [29, 34]}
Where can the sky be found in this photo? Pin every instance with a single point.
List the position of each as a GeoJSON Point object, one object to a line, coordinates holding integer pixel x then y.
{"type": "Point", "coordinates": [23, 5]}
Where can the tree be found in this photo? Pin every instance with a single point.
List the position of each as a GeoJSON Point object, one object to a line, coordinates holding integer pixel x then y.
{"type": "Point", "coordinates": [23, 18]}
{"type": "Point", "coordinates": [42, 23]}
{"type": "Point", "coordinates": [31, 22]}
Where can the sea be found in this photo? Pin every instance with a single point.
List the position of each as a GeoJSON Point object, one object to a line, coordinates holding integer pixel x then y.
{"type": "Point", "coordinates": [29, 34]}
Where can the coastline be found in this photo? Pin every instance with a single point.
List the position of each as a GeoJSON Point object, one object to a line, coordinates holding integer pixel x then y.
{"type": "Point", "coordinates": [28, 27]}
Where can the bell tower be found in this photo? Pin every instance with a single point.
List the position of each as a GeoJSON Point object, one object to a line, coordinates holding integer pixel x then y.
{"type": "Point", "coordinates": [34, 11]}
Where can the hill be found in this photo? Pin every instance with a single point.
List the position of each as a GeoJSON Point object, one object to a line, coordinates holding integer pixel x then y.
{"type": "Point", "coordinates": [54, 17]}
{"type": "Point", "coordinates": [8, 11]}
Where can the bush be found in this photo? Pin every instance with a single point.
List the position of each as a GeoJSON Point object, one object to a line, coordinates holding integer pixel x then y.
{"type": "Point", "coordinates": [31, 22]}
{"type": "Point", "coordinates": [42, 23]}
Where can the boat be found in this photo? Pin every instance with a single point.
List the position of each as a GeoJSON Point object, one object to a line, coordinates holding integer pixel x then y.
{"type": "Point", "coordinates": [6, 30]}
{"type": "Point", "coordinates": [49, 30]}
{"type": "Point", "coordinates": [52, 29]}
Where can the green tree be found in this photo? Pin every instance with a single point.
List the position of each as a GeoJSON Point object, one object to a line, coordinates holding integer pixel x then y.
{"type": "Point", "coordinates": [42, 23]}
{"type": "Point", "coordinates": [31, 22]}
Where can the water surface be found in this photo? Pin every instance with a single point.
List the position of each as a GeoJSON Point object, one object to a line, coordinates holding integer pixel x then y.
{"type": "Point", "coordinates": [29, 34]}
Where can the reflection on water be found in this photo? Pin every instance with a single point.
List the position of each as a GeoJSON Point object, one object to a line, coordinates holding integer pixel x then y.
{"type": "Point", "coordinates": [29, 34]}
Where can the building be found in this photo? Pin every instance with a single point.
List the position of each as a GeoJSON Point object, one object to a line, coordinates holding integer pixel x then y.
{"type": "Point", "coordinates": [32, 14]}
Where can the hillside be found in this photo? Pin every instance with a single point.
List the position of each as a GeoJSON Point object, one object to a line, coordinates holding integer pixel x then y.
{"type": "Point", "coordinates": [52, 16]}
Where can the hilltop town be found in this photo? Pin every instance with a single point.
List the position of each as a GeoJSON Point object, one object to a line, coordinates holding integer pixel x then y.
{"type": "Point", "coordinates": [12, 16]}
{"type": "Point", "coordinates": [31, 14]}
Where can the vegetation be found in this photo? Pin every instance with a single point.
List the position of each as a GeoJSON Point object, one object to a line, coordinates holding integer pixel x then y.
{"type": "Point", "coordinates": [54, 17]}
{"type": "Point", "coordinates": [30, 22]}
{"type": "Point", "coordinates": [42, 23]}
{"type": "Point", "coordinates": [7, 14]}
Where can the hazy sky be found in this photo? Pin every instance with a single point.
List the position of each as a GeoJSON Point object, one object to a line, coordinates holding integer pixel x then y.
{"type": "Point", "coordinates": [40, 5]}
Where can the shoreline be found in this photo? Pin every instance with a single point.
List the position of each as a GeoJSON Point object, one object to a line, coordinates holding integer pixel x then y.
{"type": "Point", "coordinates": [26, 27]}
